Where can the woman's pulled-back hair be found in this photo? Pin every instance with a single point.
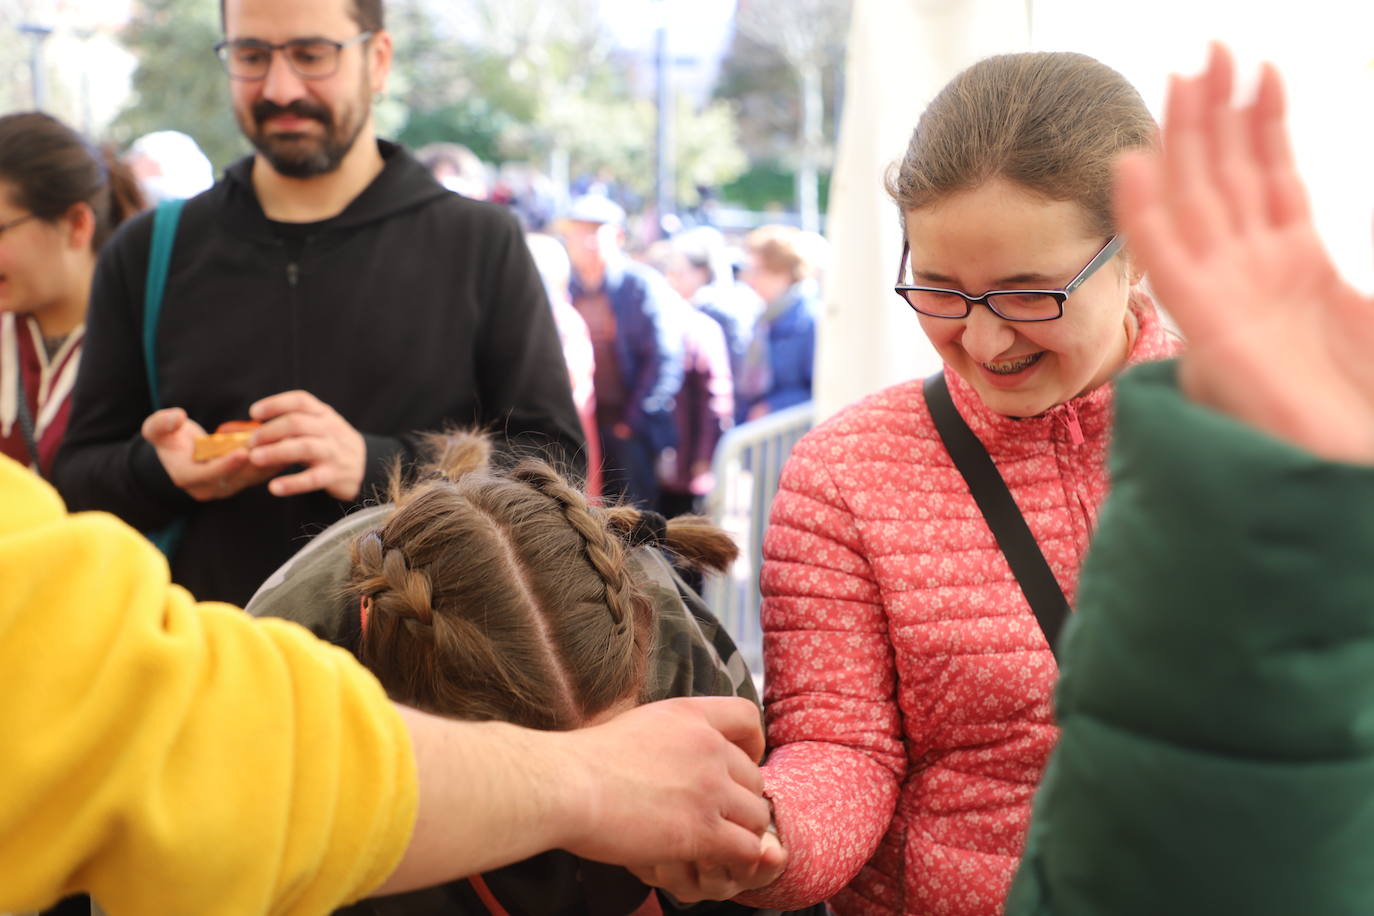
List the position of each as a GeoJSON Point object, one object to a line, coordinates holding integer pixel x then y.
{"type": "Point", "coordinates": [50, 167]}
{"type": "Point", "coordinates": [502, 594]}
{"type": "Point", "coordinates": [1052, 122]}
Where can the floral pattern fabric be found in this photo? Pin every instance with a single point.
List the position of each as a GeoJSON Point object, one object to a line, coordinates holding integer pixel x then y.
{"type": "Point", "coordinates": [908, 684]}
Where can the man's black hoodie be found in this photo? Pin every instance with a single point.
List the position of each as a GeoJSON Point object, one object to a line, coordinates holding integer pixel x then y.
{"type": "Point", "coordinates": [412, 309]}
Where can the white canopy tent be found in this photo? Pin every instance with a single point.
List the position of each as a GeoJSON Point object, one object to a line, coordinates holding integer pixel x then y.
{"type": "Point", "coordinates": [900, 53]}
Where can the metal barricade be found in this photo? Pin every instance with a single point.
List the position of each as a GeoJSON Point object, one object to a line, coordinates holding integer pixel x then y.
{"type": "Point", "coordinates": [747, 465]}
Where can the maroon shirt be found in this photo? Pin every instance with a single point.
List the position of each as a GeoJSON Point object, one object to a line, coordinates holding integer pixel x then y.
{"type": "Point", "coordinates": [611, 396]}
{"type": "Point", "coordinates": [46, 384]}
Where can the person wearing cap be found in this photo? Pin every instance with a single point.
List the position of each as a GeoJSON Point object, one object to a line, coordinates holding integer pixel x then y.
{"type": "Point", "coordinates": [457, 168]}
{"type": "Point", "coordinates": [635, 320]}
{"type": "Point", "coordinates": [169, 165]}
{"type": "Point", "coordinates": [554, 267]}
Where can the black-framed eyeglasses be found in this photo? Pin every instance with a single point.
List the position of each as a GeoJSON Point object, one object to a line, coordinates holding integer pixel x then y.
{"type": "Point", "coordinates": [1008, 304]}
{"type": "Point", "coordinates": [17, 221]}
{"type": "Point", "coordinates": [309, 58]}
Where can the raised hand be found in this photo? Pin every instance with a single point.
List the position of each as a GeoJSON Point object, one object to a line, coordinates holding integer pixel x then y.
{"type": "Point", "coordinates": [299, 428]}
{"type": "Point", "coordinates": [172, 434]}
{"type": "Point", "coordinates": [1220, 222]}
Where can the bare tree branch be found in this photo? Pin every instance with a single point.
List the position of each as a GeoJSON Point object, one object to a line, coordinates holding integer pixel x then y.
{"type": "Point", "coordinates": [804, 32]}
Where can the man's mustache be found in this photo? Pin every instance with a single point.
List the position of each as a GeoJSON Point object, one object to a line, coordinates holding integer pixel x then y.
{"type": "Point", "coordinates": [264, 109]}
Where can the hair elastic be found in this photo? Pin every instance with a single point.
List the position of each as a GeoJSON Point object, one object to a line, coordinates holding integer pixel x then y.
{"type": "Point", "coordinates": [650, 528]}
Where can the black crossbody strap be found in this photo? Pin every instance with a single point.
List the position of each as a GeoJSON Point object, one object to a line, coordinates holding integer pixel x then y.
{"type": "Point", "coordinates": [990, 491]}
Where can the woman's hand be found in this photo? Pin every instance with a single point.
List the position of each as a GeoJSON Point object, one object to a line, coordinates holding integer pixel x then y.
{"type": "Point", "coordinates": [1220, 223]}
{"type": "Point", "coordinates": [701, 881]}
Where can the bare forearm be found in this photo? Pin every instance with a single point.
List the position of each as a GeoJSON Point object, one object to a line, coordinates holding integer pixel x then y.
{"type": "Point", "coordinates": [673, 781]}
{"type": "Point", "coordinates": [486, 800]}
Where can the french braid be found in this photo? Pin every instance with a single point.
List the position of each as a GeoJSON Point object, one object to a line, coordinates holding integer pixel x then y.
{"type": "Point", "coordinates": [385, 576]}
{"type": "Point", "coordinates": [501, 594]}
{"type": "Point", "coordinates": [605, 553]}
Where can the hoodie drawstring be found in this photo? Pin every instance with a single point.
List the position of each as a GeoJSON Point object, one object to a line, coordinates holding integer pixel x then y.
{"type": "Point", "coordinates": [1070, 420]}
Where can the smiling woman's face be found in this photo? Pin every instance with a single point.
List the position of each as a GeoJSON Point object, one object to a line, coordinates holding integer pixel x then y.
{"type": "Point", "coordinates": [1001, 236]}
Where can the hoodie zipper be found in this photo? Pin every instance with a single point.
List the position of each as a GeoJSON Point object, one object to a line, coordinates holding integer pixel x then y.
{"type": "Point", "coordinates": [293, 282]}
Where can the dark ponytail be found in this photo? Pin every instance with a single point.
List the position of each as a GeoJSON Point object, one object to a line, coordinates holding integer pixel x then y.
{"type": "Point", "coordinates": [51, 167]}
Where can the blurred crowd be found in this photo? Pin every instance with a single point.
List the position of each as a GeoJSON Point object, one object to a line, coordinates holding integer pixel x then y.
{"type": "Point", "coordinates": [669, 341]}
{"type": "Point", "coordinates": [671, 338]}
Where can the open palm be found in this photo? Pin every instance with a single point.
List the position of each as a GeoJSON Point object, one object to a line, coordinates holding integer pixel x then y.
{"type": "Point", "coordinates": [1220, 222]}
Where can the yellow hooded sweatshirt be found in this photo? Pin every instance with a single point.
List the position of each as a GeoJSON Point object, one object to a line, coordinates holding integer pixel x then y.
{"type": "Point", "coordinates": [171, 757]}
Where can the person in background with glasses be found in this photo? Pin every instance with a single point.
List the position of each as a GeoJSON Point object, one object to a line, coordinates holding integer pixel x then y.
{"type": "Point", "coordinates": [327, 287]}
{"type": "Point", "coordinates": [908, 680]}
{"type": "Point", "coordinates": [60, 199]}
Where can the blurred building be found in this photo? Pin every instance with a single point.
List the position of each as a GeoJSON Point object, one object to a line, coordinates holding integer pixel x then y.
{"type": "Point", "coordinates": [64, 57]}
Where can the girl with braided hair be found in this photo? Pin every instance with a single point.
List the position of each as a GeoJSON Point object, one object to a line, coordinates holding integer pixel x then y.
{"type": "Point", "coordinates": [500, 593]}
{"type": "Point", "coordinates": [505, 595]}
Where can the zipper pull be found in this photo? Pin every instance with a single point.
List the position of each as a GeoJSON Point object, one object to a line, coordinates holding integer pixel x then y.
{"type": "Point", "coordinates": [293, 274]}
{"type": "Point", "coordinates": [1076, 437]}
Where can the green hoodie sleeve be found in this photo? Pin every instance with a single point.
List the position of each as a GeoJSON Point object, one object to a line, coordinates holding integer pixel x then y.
{"type": "Point", "coordinates": [1217, 688]}
{"type": "Point", "coordinates": [174, 757]}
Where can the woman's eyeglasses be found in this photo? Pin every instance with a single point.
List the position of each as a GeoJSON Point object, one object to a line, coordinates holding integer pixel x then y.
{"type": "Point", "coordinates": [1008, 304]}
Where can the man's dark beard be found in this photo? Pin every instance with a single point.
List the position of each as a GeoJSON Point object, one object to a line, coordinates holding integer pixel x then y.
{"type": "Point", "coordinates": [295, 155]}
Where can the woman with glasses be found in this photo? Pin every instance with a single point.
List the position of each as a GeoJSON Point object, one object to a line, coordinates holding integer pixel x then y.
{"type": "Point", "coordinates": [60, 199]}
{"type": "Point", "coordinates": [908, 676]}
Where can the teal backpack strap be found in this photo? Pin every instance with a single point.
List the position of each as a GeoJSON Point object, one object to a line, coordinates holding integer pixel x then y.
{"type": "Point", "coordinates": [165, 220]}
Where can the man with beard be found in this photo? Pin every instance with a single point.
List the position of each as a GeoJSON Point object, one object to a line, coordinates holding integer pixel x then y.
{"type": "Point", "coordinates": [327, 287]}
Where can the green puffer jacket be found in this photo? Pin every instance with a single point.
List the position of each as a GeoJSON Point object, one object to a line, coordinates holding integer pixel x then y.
{"type": "Point", "coordinates": [1217, 686]}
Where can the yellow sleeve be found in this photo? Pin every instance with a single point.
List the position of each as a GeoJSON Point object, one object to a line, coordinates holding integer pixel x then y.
{"type": "Point", "coordinates": [172, 757]}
